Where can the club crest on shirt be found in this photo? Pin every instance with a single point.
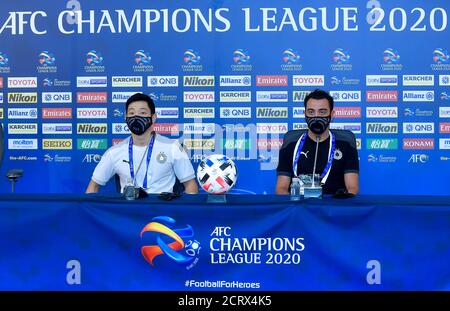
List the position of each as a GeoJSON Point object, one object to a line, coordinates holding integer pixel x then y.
{"type": "Point", "coordinates": [337, 154]}
{"type": "Point", "coordinates": [161, 158]}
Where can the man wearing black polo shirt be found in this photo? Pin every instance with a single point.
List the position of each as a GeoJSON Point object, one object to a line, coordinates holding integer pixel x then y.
{"type": "Point", "coordinates": [337, 160]}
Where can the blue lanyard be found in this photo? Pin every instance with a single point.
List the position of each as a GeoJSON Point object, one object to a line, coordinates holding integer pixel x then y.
{"type": "Point", "coordinates": [298, 151]}
{"type": "Point", "coordinates": [149, 156]}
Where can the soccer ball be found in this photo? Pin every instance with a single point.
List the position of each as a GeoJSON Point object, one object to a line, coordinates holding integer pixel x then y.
{"type": "Point", "coordinates": [217, 174]}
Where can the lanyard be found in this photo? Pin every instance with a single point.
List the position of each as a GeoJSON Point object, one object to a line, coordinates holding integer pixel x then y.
{"type": "Point", "coordinates": [149, 155]}
{"type": "Point", "coordinates": [298, 151]}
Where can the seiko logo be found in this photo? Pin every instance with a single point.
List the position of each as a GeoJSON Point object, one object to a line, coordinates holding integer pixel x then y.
{"type": "Point", "coordinates": [198, 81]}
{"type": "Point", "coordinates": [57, 144]}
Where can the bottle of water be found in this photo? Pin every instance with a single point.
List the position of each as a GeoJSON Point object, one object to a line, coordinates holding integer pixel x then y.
{"type": "Point", "coordinates": [295, 189]}
{"type": "Point", "coordinates": [128, 190]}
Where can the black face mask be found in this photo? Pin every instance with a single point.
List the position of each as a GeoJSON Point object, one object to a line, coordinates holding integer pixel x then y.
{"type": "Point", "coordinates": [318, 125]}
{"type": "Point", "coordinates": [138, 125]}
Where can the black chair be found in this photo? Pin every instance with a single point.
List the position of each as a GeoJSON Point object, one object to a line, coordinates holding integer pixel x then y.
{"type": "Point", "coordinates": [345, 135]}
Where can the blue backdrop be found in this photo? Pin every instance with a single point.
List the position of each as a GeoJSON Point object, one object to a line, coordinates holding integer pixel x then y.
{"type": "Point", "coordinates": [379, 58]}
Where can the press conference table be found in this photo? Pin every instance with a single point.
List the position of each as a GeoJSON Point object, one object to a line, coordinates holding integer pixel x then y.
{"type": "Point", "coordinates": [253, 242]}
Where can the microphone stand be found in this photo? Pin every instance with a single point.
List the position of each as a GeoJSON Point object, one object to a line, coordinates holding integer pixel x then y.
{"type": "Point", "coordinates": [314, 191]}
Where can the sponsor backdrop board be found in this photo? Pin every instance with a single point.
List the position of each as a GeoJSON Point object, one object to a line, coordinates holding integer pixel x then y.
{"type": "Point", "coordinates": [227, 77]}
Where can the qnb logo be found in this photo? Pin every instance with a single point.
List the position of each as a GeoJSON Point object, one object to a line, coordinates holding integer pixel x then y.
{"type": "Point", "coordinates": [94, 58]}
{"type": "Point", "coordinates": [171, 242]}
{"type": "Point", "coordinates": [191, 57]}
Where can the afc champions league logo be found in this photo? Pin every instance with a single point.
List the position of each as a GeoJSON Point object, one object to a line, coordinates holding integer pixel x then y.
{"type": "Point", "coordinates": [177, 244]}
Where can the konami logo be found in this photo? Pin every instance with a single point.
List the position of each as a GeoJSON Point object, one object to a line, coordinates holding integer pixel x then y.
{"type": "Point", "coordinates": [268, 144]}
{"type": "Point", "coordinates": [418, 143]}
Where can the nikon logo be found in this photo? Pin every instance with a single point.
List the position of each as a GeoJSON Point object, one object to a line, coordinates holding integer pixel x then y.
{"type": "Point", "coordinates": [91, 128]}
{"type": "Point", "coordinates": [22, 98]}
{"type": "Point", "coordinates": [57, 144]}
{"type": "Point", "coordinates": [281, 112]}
{"type": "Point", "coordinates": [299, 96]}
{"type": "Point", "coordinates": [382, 128]}
{"type": "Point", "coordinates": [198, 81]}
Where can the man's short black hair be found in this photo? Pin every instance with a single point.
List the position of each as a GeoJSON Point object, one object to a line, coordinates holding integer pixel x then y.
{"type": "Point", "coordinates": [320, 94]}
{"type": "Point", "coordinates": [138, 97]}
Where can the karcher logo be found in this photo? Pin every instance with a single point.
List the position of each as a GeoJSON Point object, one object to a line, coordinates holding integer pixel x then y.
{"type": "Point", "coordinates": [59, 144]}
{"type": "Point", "coordinates": [270, 112]}
{"type": "Point", "coordinates": [22, 128]}
{"type": "Point", "coordinates": [198, 80]}
{"type": "Point", "coordinates": [92, 128]}
{"type": "Point", "coordinates": [22, 98]}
